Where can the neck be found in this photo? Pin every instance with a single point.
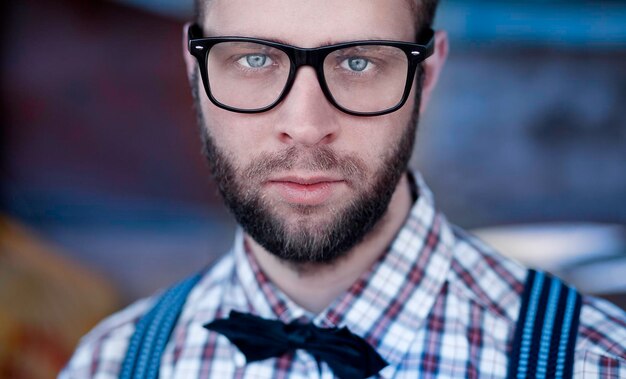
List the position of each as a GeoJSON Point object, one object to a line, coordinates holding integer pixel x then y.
{"type": "Point", "coordinates": [314, 287]}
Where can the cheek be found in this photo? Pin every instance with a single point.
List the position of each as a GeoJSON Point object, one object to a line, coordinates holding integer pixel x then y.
{"type": "Point", "coordinates": [373, 149]}
{"type": "Point", "coordinates": [234, 133]}
{"type": "Point", "coordinates": [380, 136]}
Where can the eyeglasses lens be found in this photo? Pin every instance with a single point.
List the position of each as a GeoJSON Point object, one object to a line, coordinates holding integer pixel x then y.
{"type": "Point", "coordinates": [247, 75]}
{"type": "Point", "coordinates": [367, 78]}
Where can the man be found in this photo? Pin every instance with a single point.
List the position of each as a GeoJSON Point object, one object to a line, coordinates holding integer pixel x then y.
{"type": "Point", "coordinates": [308, 134]}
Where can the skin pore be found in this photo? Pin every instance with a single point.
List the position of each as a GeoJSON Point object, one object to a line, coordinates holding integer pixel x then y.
{"type": "Point", "coordinates": [304, 129]}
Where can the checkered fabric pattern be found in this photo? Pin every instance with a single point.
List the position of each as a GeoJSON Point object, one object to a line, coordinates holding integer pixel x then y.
{"type": "Point", "coordinates": [437, 304]}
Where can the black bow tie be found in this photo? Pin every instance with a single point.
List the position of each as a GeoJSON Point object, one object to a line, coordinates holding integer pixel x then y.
{"type": "Point", "coordinates": [347, 354]}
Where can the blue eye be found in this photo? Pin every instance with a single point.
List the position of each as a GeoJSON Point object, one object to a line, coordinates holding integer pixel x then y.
{"type": "Point", "coordinates": [255, 61]}
{"type": "Point", "coordinates": [356, 64]}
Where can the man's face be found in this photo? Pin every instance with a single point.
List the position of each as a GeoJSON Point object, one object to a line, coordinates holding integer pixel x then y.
{"type": "Point", "coordinates": [305, 180]}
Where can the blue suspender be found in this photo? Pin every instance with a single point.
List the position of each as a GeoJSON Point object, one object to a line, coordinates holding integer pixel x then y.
{"type": "Point", "coordinates": [543, 344]}
{"type": "Point", "coordinates": [545, 336]}
{"type": "Point", "coordinates": [143, 357]}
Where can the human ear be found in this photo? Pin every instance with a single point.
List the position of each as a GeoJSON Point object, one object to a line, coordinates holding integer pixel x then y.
{"type": "Point", "coordinates": [432, 67]}
{"type": "Point", "coordinates": [190, 61]}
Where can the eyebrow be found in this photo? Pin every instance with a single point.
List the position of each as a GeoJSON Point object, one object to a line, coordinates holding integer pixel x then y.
{"type": "Point", "coordinates": [285, 42]}
{"type": "Point", "coordinates": [277, 40]}
{"type": "Point", "coordinates": [211, 33]}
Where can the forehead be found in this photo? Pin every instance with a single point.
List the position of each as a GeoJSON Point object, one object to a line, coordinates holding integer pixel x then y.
{"type": "Point", "coordinates": [311, 23]}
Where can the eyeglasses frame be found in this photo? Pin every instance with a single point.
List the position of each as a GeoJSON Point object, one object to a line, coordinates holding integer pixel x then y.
{"type": "Point", "coordinates": [200, 46]}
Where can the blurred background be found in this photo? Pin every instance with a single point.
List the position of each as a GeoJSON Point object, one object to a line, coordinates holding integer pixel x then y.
{"type": "Point", "coordinates": [106, 198]}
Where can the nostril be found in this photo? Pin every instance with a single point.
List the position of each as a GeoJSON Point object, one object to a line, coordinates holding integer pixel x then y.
{"type": "Point", "coordinates": [306, 135]}
{"type": "Point", "coordinates": [284, 137]}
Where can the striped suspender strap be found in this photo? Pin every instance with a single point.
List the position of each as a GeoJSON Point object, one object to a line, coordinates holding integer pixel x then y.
{"type": "Point", "coordinates": [545, 335]}
{"type": "Point", "coordinates": [143, 357]}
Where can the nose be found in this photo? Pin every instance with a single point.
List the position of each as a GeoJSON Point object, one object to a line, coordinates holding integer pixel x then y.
{"type": "Point", "coordinates": [305, 117]}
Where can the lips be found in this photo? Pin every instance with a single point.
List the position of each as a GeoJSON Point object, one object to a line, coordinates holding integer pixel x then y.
{"type": "Point", "coordinates": [302, 190]}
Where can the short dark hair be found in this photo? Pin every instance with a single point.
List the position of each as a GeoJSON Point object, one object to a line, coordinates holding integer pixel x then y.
{"type": "Point", "coordinates": [424, 10]}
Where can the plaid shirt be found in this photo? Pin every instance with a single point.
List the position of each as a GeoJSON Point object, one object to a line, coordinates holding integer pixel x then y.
{"type": "Point", "coordinates": [437, 304]}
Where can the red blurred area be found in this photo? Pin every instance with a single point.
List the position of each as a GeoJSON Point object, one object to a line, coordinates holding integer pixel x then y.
{"type": "Point", "coordinates": [97, 101]}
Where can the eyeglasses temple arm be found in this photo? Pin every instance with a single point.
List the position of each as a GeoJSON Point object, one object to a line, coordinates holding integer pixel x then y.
{"type": "Point", "coordinates": [430, 45]}
{"type": "Point", "coordinates": [194, 32]}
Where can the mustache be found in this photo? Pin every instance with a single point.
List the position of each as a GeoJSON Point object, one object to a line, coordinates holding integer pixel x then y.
{"type": "Point", "coordinates": [318, 158]}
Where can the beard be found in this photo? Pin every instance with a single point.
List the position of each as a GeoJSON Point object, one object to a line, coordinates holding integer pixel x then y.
{"type": "Point", "coordinates": [303, 241]}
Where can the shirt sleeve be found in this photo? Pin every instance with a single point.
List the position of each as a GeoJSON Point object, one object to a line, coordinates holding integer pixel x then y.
{"type": "Point", "coordinates": [101, 352]}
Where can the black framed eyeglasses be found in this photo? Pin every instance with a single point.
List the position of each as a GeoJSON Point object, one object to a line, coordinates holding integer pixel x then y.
{"type": "Point", "coordinates": [362, 78]}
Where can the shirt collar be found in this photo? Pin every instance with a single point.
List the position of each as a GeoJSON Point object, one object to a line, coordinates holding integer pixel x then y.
{"type": "Point", "coordinates": [390, 302]}
{"type": "Point", "coordinates": [264, 298]}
